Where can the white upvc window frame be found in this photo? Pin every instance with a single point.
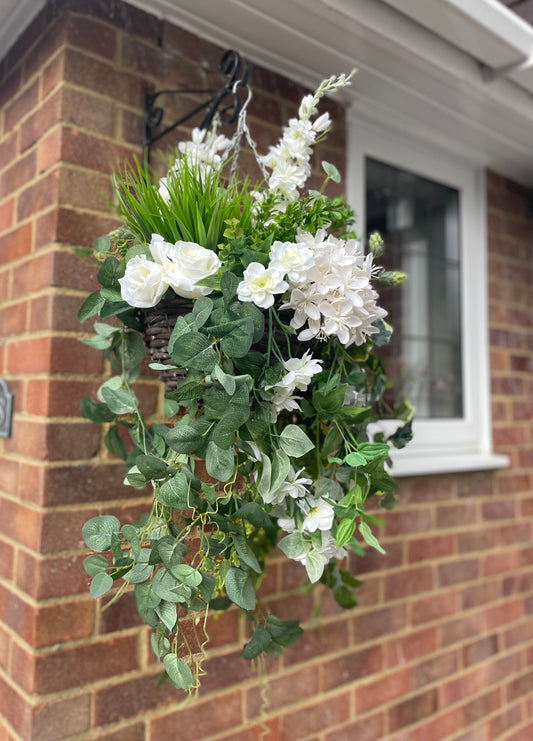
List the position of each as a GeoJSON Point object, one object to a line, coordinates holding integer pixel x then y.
{"type": "Point", "coordinates": [440, 445]}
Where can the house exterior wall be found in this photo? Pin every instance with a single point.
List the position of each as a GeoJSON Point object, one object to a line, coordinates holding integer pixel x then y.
{"type": "Point", "coordinates": [441, 643]}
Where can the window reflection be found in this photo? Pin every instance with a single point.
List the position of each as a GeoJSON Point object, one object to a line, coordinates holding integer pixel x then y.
{"type": "Point", "coordinates": [419, 221]}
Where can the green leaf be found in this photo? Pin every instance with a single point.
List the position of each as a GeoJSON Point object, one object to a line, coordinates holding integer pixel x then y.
{"type": "Point", "coordinates": [245, 553]}
{"type": "Point", "coordinates": [95, 564]}
{"type": "Point", "coordinates": [168, 588]}
{"type": "Point", "coordinates": [280, 469]}
{"type": "Point", "coordinates": [114, 443]}
{"type": "Point", "coordinates": [292, 545]}
{"type": "Point", "coordinates": [228, 286]}
{"type": "Point", "coordinates": [100, 584]}
{"type": "Point", "coordinates": [131, 350]}
{"type": "Point", "coordinates": [145, 595]}
{"type": "Point", "coordinates": [178, 672]}
{"type": "Point", "coordinates": [237, 343]}
{"type": "Point", "coordinates": [119, 401]}
{"type": "Point", "coordinates": [102, 244]}
{"type": "Point", "coordinates": [331, 442]}
{"type": "Point", "coordinates": [201, 310]}
{"type": "Point", "coordinates": [175, 492]}
{"type": "Point", "coordinates": [355, 459]}
{"type": "Point", "coordinates": [110, 271]}
{"type": "Point", "coordinates": [331, 171]}
{"type": "Point", "coordinates": [284, 632]}
{"type": "Point", "coordinates": [98, 532]}
{"type": "Point", "coordinates": [94, 411]}
{"type": "Point", "coordinates": [225, 429]}
{"type": "Point", "coordinates": [170, 551]}
{"type": "Point", "coordinates": [314, 565]}
{"type": "Point", "coordinates": [168, 612]}
{"type": "Point", "coordinates": [330, 403]}
{"type": "Point", "coordinates": [91, 306]}
{"type": "Point", "coordinates": [219, 462]}
{"type": "Point", "coordinates": [184, 438]}
{"type": "Point", "coordinates": [255, 514]}
{"type": "Point", "coordinates": [371, 451]}
{"type": "Point", "coordinates": [402, 436]}
{"type": "Point", "coordinates": [369, 537]}
{"type": "Point", "coordinates": [295, 442]}
{"type": "Point", "coordinates": [207, 586]}
{"type": "Point", "coordinates": [152, 468]}
{"type": "Point", "coordinates": [263, 485]}
{"type": "Point", "coordinates": [240, 588]}
{"type": "Point", "coordinates": [344, 598]}
{"type": "Point", "coordinates": [142, 569]}
{"type": "Point", "coordinates": [226, 381]}
{"type": "Point", "coordinates": [160, 644]}
{"type": "Point", "coordinates": [344, 532]}
{"type": "Point", "coordinates": [187, 574]}
{"type": "Point", "coordinates": [194, 350]}
{"type": "Point", "coordinates": [258, 643]}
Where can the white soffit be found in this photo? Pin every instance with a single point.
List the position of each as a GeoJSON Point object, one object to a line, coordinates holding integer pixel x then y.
{"type": "Point", "coordinates": [15, 16]}
{"type": "Point", "coordinates": [482, 28]}
{"type": "Point", "coordinates": [412, 71]}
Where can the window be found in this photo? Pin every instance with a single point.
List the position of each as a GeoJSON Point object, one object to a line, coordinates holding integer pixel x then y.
{"type": "Point", "coordinates": [430, 209]}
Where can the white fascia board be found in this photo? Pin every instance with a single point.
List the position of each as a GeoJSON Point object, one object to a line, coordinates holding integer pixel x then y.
{"type": "Point", "coordinates": [15, 16]}
{"type": "Point", "coordinates": [486, 29]}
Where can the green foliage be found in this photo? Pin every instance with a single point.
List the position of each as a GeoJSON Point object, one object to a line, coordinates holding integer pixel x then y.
{"type": "Point", "coordinates": [299, 466]}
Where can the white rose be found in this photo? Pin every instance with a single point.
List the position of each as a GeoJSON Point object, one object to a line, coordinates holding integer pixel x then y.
{"type": "Point", "coordinates": [144, 282]}
{"type": "Point", "coordinates": [185, 263]}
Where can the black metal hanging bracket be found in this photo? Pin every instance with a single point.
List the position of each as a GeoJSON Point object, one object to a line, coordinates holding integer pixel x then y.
{"type": "Point", "coordinates": [232, 68]}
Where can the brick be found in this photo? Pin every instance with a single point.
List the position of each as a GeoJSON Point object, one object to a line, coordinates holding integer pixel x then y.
{"type": "Point", "coordinates": [502, 614]}
{"type": "Point", "coordinates": [135, 732]}
{"type": "Point", "coordinates": [439, 727]}
{"type": "Point", "coordinates": [457, 572]}
{"type": "Point", "coordinates": [16, 243]}
{"type": "Point", "coordinates": [198, 721]}
{"type": "Point", "coordinates": [423, 549]}
{"type": "Point", "coordinates": [120, 616]}
{"type": "Point", "coordinates": [371, 728]}
{"type": "Point", "coordinates": [82, 228]}
{"type": "Point", "coordinates": [379, 622]}
{"type": "Point", "coordinates": [479, 594]}
{"type": "Point", "coordinates": [52, 74]}
{"type": "Point", "coordinates": [98, 660]}
{"type": "Point", "coordinates": [7, 560]}
{"type": "Point", "coordinates": [456, 515]}
{"type": "Point", "coordinates": [369, 695]}
{"type": "Point", "coordinates": [61, 719]}
{"type": "Point", "coordinates": [287, 688]}
{"type": "Point", "coordinates": [500, 670]}
{"type": "Point", "coordinates": [306, 721]}
{"type": "Point", "coordinates": [504, 721]}
{"type": "Point", "coordinates": [88, 112]}
{"type": "Point", "coordinates": [463, 627]}
{"type": "Point", "coordinates": [63, 622]}
{"type": "Point", "coordinates": [7, 211]}
{"type": "Point", "coordinates": [49, 149]}
{"type": "Point", "coordinates": [91, 35]}
{"type": "Point", "coordinates": [414, 645]}
{"type": "Point", "coordinates": [405, 583]}
{"type": "Point", "coordinates": [463, 686]}
{"type": "Point", "coordinates": [476, 540]}
{"type": "Point", "coordinates": [519, 686]}
{"type": "Point", "coordinates": [84, 189]}
{"type": "Point", "coordinates": [19, 173]}
{"type": "Point", "coordinates": [84, 483]}
{"type": "Point", "coordinates": [415, 708]}
{"type": "Point", "coordinates": [435, 669]}
{"type": "Point", "coordinates": [15, 710]}
{"type": "Point", "coordinates": [20, 523]}
{"type": "Point", "coordinates": [103, 78]}
{"type": "Point", "coordinates": [10, 86]}
{"type": "Point", "coordinates": [57, 576]}
{"type": "Point", "coordinates": [408, 521]}
{"type": "Point", "coordinates": [498, 510]}
{"type": "Point", "coordinates": [41, 195]}
{"type": "Point", "coordinates": [375, 561]}
{"type": "Point", "coordinates": [500, 563]}
{"type": "Point", "coordinates": [55, 397]}
{"type": "Point", "coordinates": [133, 697]}
{"type": "Point", "coordinates": [36, 125]}
{"type": "Point", "coordinates": [476, 485]}
{"type": "Point", "coordinates": [13, 319]}
{"type": "Point", "coordinates": [350, 667]}
{"type": "Point", "coordinates": [432, 608]}
{"type": "Point", "coordinates": [21, 106]}
{"type": "Point", "coordinates": [54, 441]}
{"type": "Point", "coordinates": [483, 648]}
{"type": "Point", "coordinates": [18, 614]}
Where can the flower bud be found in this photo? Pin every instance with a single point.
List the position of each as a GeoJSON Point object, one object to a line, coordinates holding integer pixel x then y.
{"type": "Point", "coordinates": [376, 244]}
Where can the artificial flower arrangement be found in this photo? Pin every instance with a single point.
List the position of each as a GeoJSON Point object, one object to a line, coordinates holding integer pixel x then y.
{"type": "Point", "coordinates": [272, 384]}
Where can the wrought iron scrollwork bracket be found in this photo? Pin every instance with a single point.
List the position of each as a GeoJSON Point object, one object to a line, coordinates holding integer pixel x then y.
{"type": "Point", "coordinates": [224, 101]}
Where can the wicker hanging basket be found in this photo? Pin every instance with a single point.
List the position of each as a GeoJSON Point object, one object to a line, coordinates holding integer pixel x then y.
{"type": "Point", "coordinates": [158, 325]}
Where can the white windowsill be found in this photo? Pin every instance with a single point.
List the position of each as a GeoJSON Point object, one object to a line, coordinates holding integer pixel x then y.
{"type": "Point", "coordinates": [409, 464]}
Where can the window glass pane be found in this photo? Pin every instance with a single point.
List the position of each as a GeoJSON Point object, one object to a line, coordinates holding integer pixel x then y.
{"type": "Point", "coordinates": [419, 221]}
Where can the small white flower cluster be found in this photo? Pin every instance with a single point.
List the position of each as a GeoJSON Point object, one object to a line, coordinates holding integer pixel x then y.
{"type": "Point", "coordinates": [205, 152]}
{"type": "Point", "coordinates": [298, 377]}
{"type": "Point", "coordinates": [178, 266]}
{"type": "Point", "coordinates": [330, 287]}
{"type": "Point", "coordinates": [318, 545]}
{"type": "Point", "coordinates": [289, 159]}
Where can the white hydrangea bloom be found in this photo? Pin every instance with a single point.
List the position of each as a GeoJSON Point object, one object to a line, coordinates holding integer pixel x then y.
{"type": "Point", "coordinates": [260, 285]}
{"type": "Point", "coordinates": [335, 296]}
{"type": "Point", "coordinates": [319, 514]}
{"type": "Point", "coordinates": [295, 486]}
{"type": "Point", "coordinates": [301, 370]}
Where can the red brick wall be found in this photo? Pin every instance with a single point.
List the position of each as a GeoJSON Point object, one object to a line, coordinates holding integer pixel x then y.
{"type": "Point", "coordinates": [441, 644]}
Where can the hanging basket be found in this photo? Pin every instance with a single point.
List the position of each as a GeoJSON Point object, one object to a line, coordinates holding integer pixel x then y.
{"type": "Point", "coordinates": [158, 325]}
